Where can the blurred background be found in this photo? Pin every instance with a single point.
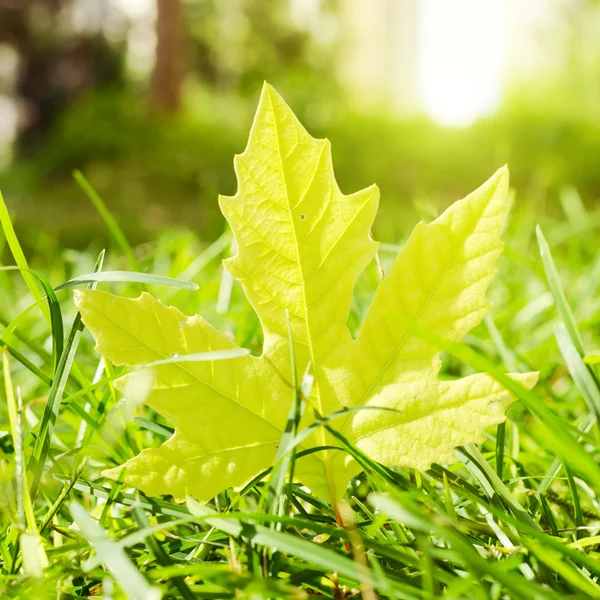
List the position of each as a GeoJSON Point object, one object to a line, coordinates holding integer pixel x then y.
{"type": "Point", "coordinates": [151, 99]}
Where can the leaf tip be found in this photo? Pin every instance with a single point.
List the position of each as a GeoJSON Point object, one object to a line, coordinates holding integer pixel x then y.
{"type": "Point", "coordinates": [272, 101]}
{"type": "Point", "coordinates": [269, 97]}
{"type": "Point", "coordinates": [269, 90]}
{"type": "Point", "coordinates": [502, 179]}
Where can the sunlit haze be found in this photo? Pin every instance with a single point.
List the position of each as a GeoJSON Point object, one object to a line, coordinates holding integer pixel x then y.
{"type": "Point", "coordinates": [460, 58]}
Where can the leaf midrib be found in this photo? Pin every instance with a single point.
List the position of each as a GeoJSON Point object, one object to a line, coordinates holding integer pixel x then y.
{"type": "Point", "coordinates": [297, 248]}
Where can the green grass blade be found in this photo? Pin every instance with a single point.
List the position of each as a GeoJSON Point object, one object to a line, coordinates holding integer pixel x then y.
{"type": "Point", "coordinates": [405, 511]}
{"type": "Point", "coordinates": [48, 420]}
{"type": "Point", "coordinates": [28, 364]}
{"type": "Point", "coordinates": [33, 557]}
{"type": "Point", "coordinates": [497, 484]}
{"type": "Point", "coordinates": [580, 583]}
{"type": "Point", "coordinates": [506, 354]}
{"type": "Point", "coordinates": [318, 556]}
{"type": "Point", "coordinates": [500, 442]}
{"type": "Point", "coordinates": [577, 514]}
{"type": "Point", "coordinates": [61, 498]}
{"type": "Point", "coordinates": [56, 321]}
{"type": "Point", "coordinates": [128, 277]}
{"type": "Point", "coordinates": [556, 467]}
{"type": "Point", "coordinates": [277, 501]}
{"type": "Point", "coordinates": [200, 357]}
{"type": "Point", "coordinates": [15, 431]}
{"type": "Point", "coordinates": [112, 555]}
{"type": "Point", "coordinates": [114, 490]}
{"type": "Point", "coordinates": [226, 287]}
{"type": "Point", "coordinates": [155, 505]}
{"type": "Point", "coordinates": [580, 372]}
{"type": "Point", "coordinates": [161, 556]}
{"type": "Point", "coordinates": [549, 516]}
{"type": "Point", "coordinates": [109, 220]}
{"type": "Point", "coordinates": [562, 306]}
{"type": "Point", "coordinates": [165, 432]}
{"type": "Point", "coordinates": [510, 363]}
{"type": "Point", "coordinates": [572, 204]}
{"type": "Point", "coordinates": [203, 260]}
{"type": "Point", "coordinates": [17, 252]}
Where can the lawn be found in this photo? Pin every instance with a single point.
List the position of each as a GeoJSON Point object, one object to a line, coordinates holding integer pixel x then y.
{"type": "Point", "coordinates": [514, 517]}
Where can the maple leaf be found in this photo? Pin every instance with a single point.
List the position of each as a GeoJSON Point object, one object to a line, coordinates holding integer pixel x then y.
{"type": "Point", "coordinates": [301, 246]}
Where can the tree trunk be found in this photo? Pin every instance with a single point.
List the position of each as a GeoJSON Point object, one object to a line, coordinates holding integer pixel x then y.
{"type": "Point", "coordinates": [167, 78]}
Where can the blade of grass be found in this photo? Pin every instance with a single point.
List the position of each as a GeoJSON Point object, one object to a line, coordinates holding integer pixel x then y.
{"type": "Point", "coordinates": [579, 582]}
{"type": "Point", "coordinates": [277, 501]}
{"type": "Point", "coordinates": [128, 277]}
{"type": "Point", "coordinates": [574, 556]}
{"type": "Point", "coordinates": [549, 516]}
{"type": "Point", "coordinates": [56, 322]}
{"type": "Point", "coordinates": [580, 372]}
{"type": "Point", "coordinates": [577, 514]}
{"type": "Point", "coordinates": [33, 557]}
{"type": "Point", "coordinates": [109, 220]}
{"type": "Point", "coordinates": [154, 505]}
{"type": "Point", "coordinates": [52, 408]}
{"type": "Point", "coordinates": [112, 555]}
{"type": "Point", "coordinates": [472, 453]}
{"type": "Point", "coordinates": [556, 467]}
{"type": "Point", "coordinates": [500, 442]}
{"type": "Point", "coordinates": [405, 511]}
{"type": "Point", "coordinates": [27, 364]}
{"type": "Point", "coordinates": [226, 287]}
{"type": "Point", "coordinates": [23, 498]}
{"type": "Point", "coordinates": [114, 490]}
{"type": "Point", "coordinates": [562, 306]}
{"type": "Point", "coordinates": [572, 204]}
{"type": "Point", "coordinates": [61, 498]}
{"type": "Point", "coordinates": [165, 432]}
{"type": "Point", "coordinates": [161, 556]}
{"type": "Point", "coordinates": [17, 252]}
{"type": "Point", "coordinates": [205, 257]}
{"type": "Point", "coordinates": [320, 557]}
{"type": "Point", "coordinates": [81, 433]}
{"type": "Point", "coordinates": [509, 361]}
{"type": "Point", "coordinates": [11, 332]}
{"type": "Point", "coordinates": [199, 357]}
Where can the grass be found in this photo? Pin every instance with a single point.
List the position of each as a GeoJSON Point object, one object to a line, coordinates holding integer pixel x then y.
{"type": "Point", "coordinates": [518, 517]}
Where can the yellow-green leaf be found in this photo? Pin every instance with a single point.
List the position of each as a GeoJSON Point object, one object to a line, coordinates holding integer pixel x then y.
{"type": "Point", "coordinates": [301, 246]}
